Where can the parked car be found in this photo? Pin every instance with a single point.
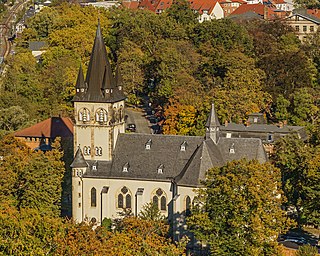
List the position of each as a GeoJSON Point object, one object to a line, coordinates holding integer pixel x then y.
{"type": "Point", "coordinates": [131, 127]}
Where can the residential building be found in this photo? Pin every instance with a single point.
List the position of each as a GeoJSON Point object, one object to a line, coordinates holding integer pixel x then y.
{"type": "Point", "coordinates": [303, 22]}
{"type": "Point", "coordinates": [257, 127]}
{"type": "Point", "coordinates": [41, 135]}
{"type": "Point", "coordinates": [229, 6]}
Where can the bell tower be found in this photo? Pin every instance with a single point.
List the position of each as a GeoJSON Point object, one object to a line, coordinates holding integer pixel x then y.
{"type": "Point", "coordinates": [98, 105]}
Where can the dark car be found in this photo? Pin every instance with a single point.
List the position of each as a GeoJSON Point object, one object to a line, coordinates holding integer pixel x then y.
{"type": "Point", "coordinates": [131, 127]}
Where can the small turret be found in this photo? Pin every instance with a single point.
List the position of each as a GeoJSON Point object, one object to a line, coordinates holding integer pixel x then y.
{"type": "Point", "coordinates": [80, 85]}
{"type": "Point", "coordinates": [213, 126]}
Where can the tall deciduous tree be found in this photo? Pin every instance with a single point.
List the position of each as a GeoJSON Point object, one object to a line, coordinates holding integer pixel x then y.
{"type": "Point", "coordinates": [238, 210]}
{"type": "Point", "coordinates": [299, 164]}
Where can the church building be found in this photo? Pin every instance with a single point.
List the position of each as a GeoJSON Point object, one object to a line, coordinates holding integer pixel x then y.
{"type": "Point", "coordinates": [113, 171]}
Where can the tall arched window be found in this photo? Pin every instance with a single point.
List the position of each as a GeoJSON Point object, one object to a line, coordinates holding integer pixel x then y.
{"type": "Point", "coordinates": [160, 200]}
{"type": "Point", "coordinates": [124, 198]}
{"type": "Point", "coordinates": [84, 115]}
{"type": "Point", "coordinates": [93, 197]}
{"type": "Point", "coordinates": [163, 204]}
{"type": "Point", "coordinates": [188, 205]}
{"type": "Point", "coordinates": [101, 116]}
{"type": "Point", "coordinates": [120, 201]}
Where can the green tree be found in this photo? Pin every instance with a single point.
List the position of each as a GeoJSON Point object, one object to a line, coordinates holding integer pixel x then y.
{"type": "Point", "coordinates": [150, 211]}
{"type": "Point", "coordinates": [238, 210]}
{"type": "Point", "coordinates": [307, 250]}
{"type": "Point", "coordinates": [299, 165]}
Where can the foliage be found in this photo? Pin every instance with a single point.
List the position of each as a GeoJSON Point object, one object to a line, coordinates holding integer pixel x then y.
{"type": "Point", "coordinates": [151, 212]}
{"type": "Point", "coordinates": [299, 164]}
{"type": "Point", "coordinates": [307, 250]}
{"type": "Point", "coordinates": [238, 210]}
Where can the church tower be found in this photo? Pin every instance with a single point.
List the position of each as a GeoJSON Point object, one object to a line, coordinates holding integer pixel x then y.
{"type": "Point", "coordinates": [98, 106]}
{"type": "Point", "coordinates": [213, 126]}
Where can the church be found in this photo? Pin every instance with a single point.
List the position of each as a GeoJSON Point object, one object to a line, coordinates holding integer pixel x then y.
{"type": "Point", "coordinates": [114, 171]}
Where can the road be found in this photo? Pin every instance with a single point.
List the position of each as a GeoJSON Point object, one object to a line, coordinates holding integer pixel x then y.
{"type": "Point", "coordinates": [137, 116]}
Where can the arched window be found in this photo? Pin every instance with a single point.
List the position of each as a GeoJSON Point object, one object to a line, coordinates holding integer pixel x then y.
{"type": "Point", "coordinates": [93, 197]}
{"type": "Point", "coordinates": [163, 203]}
{"type": "Point", "coordinates": [128, 201]}
{"type": "Point", "coordinates": [188, 205]}
{"type": "Point", "coordinates": [155, 201]}
{"type": "Point", "coordinates": [84, 115]}
{"type": "Point", "coordinates": [120, 201]}
{"type": "Point", "coordinates": [101, 116]}
{"type": "Point", "coordinates": [98, 151]}
{"type": "Point", "coordinates": [124, 198]}
{"type": "Point", "coordinates": [160, 200]}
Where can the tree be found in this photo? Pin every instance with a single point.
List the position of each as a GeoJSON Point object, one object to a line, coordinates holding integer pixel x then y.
{"type": "Point", "coordinates": [299, 164]}
{"type": "Point", "coordinates": [238, 210]}
{"type": "Point", "coordinates": [180, 11]}
{"type": "Point", "coordinates": [307, 250]}
{"type": "Point", "coordinates": [150, 211]}
{"type": "Point", "coordinates": [307, 3]}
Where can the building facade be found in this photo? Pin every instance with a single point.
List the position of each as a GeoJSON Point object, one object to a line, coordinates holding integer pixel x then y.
{"type": "Point", "coordinates": [114, 172]}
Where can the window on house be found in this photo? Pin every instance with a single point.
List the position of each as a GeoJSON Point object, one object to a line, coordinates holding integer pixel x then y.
{"type": "Point", "coordinates": [126, 167]}
{"type": "Point", "coordinates": [93, 197]}
{"type": "Point", "coordinates": [297, 28]}
{"type": "Point", "coordinates": [163, 204]}
{"type": "Point", "coordinates": [228, 135]}
{"type": "Point", "coordinates": [270, 137]}
{"type": "Point", "coordinates": [188, 205]}
{"type": "Point", "coordinates": [304, 28]}
{"type": "Point", "coordinates": [183, 146]}
{"type": "Point", "coordinates": [148, 144]}
{"type": "Point", "coordinates": [98, 151]}
{"type": "Point", "coordinates": [311, 28]}
{"type": "Point", "coordinates": [160, 169]}
{"type": "Point", "coordinates": [159, 199]}
{"type": "Point", "coordinates": [84, 115]}
{"type": "Point", "coordinates": [101, 116]}
{"type": "Point", "coordinates": [231, 149]}
{"type": "Point", "coordinates": [124, 198]}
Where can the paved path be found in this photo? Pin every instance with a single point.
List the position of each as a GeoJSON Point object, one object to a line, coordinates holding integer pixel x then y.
{"type": "Point", "coordinates": [137, 116]}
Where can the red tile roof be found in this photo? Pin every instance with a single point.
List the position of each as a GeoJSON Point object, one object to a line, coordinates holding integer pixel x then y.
{"type": "Point", "coordinates": [131, 4]}
{"type": "Point", "coordinates": [202, 5]}
{"type": "Point", "coordinates": [50, 128]}
{"type": "Point", "coordinates": [314, 12]}
{"type": "Point", "coordinates": [256, 8]}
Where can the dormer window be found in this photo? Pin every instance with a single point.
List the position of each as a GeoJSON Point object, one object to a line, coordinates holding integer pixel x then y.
{"type": "Point", "coordinates": [183, 146]}
{"type": "Point", "coordinates": [231, 149]}
{"type": "Point", "coordinates": [160, 169]}
{"type": "Point", "coordinates": [82, 89]}
{"type": "Point", "coordinates": [120, 87]}
{"type": "Point", "coordinates": [107, 90]}
{"type": "Point", "coordinates": [148, 144]}
{"type": "Point", "coordinates": [125, 167]}
{"type": "Point", "coordinates": [94, 167]}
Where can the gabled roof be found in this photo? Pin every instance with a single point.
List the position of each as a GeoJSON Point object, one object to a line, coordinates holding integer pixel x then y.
{"type": "Point", "coordinates": [185, 167]}
{"type": "Point", "coordinates": [50, 128]}
{"type": "Point", "coordinates": [163, 4]}
{"type": "Point", "coordinates": [203, 5]}
{"type": "Point", "coordinates": [304, 14]}
{"type": "Point", "coordinates": [259, 9]}
{"type": "Point", "coordinates": [130, 4]}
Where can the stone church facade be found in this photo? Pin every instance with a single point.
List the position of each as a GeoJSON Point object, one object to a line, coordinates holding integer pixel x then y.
{"type": "Point", "coordinates": [113, 171]}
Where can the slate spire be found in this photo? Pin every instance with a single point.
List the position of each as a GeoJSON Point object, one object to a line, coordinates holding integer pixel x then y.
{"type": "Point", "coordinates": [213, 125]}
{"type": "Point", "coordinates": [100, 82]}
{"type": "Point", "coordinates": [78, 160]}
{"type": "Point", "coordinates": [80, 84]}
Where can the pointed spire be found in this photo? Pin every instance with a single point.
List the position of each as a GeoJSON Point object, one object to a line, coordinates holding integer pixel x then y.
{"type": "Point", "coordinates": [99, 78]}
{"type": "Point", "coordinates": [213, 125]}
{"type": "Point", "coordinates": [78, 160]}
{"type": "Point", "coordinates": [80, 85]}
{"type": "Point", "coordinates": [119, 80]}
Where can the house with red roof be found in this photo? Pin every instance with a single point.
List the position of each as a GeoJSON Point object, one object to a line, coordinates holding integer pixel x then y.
{"type": "Point", "coordinates": [229, 6]}
{"type": "Point", "coordinates": [207, 9]}
{"type": "Point", "coordinates": [283, 5]}
{"type": "Point", "coordinates": [41, 135]}
{"type": "Point", "coordinates": [259, 10]}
